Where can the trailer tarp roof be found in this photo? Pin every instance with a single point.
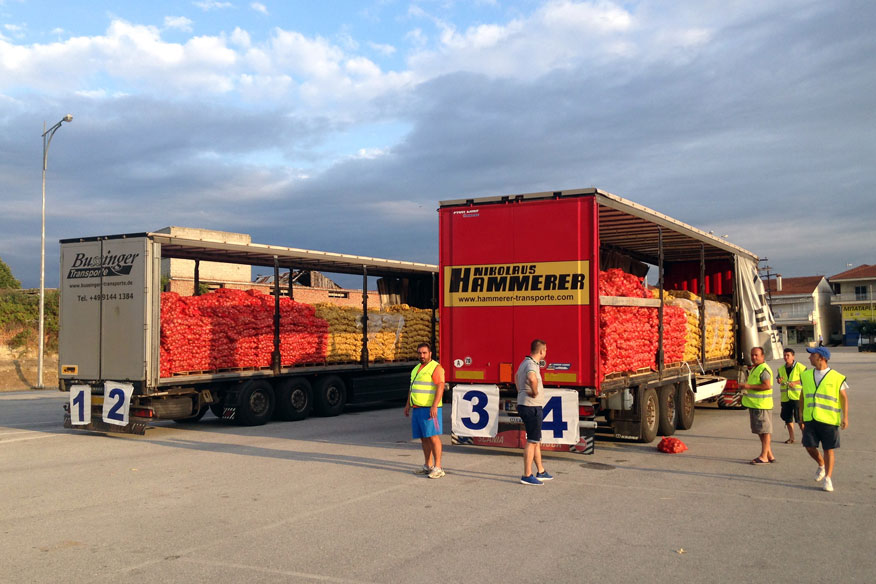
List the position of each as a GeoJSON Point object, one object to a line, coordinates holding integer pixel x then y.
{"type": "Point", "coordinates": [631, 227]}
{"type": "Point", "coordinates": [255, 254]}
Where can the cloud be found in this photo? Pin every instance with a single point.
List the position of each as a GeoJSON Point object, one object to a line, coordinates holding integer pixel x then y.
{"type": "Point", "coordinates": [383, 49]}
{"type": "Point", "coordinates": [288, 66]}
{"type": "Point", "coordinates": [17, 31]}
{"type": "Point", "coordinates": [259, 7]}
{"type": "Point", "coordinates": [180, 23]}
{"type": "Point", "coordinates": [207, 5]}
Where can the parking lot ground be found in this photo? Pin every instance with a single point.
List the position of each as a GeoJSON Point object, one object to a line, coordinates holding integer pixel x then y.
{"type": "Point", "coordinates": [334, 500]}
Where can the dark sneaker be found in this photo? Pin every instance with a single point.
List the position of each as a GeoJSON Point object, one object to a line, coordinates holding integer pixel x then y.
{"type": "Point", "coordinates": [531, 480]}
{"type": "Point", "coordinates": [544, 476]}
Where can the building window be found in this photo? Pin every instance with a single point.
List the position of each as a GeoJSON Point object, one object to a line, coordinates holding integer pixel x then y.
{"type": "Point", "coordinates": [860, 293]}
{"type": "Point", "coordinates": [338, 294]}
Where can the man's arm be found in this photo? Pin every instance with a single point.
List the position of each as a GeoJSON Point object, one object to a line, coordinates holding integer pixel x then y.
{"type": "Point", "coordinates": [438, 380]}
{"type": "Point", "coordinates": [532, 383]}
{"type": "Point", "coordinates": [844, 404]}
{"type": "Point", "coordinates": [764, 385]}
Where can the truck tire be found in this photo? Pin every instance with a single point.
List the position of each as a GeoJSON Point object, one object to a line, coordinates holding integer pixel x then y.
{"type": "Point", "coordinates": [330, 395]}
{"type": "Point", "coordinates": [255, 404]}
{"type": "Point", "coordinates": [668, 410]}
{"type": "Point", "coordinates": [294, 399]}
{"type": "Point", "coordinates": [649, 415]}
{"type": "Point", "coordinates": [685, 403]}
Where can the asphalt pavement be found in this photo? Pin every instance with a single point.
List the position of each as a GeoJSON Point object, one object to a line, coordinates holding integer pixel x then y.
{"type": "Point", "coordinates": [334, 500]}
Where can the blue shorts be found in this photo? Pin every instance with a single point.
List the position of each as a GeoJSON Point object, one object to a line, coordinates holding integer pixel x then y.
{"type": "Point", "coordinates": [422, 426]}
{"type": "Point", "coordinates": [532, 417]}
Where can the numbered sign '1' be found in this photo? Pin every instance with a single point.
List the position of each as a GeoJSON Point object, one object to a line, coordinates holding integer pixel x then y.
{"type": "Point", "coordinates": [80, 405]}
{"type": "Point", "coordinates": [116, 402]}
{"type": "Point", "coordinates": [475, 410]}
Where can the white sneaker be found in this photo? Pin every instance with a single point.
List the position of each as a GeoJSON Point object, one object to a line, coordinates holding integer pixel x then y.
{"type": "Point", "coordinates": [436, 473]}
{"type": "Point", "coordinates": [828, 485]}
{"type": "Point", "coordinates": [819, 474]}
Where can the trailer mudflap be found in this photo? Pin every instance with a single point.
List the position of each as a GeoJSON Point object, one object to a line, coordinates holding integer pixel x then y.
{"type": "Point", "coordinates": [98, 425]}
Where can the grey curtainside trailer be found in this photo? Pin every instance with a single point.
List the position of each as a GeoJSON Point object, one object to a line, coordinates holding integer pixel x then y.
{"type": "Point", "coordinates": [110, 334]}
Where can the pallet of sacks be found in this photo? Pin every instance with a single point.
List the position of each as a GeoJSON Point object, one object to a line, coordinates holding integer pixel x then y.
{"type": "Point", "coordinates": [234, 329]}
{"type": "Point", "coordinates": [629, 335]}
{"type": "Point", "coordinates": [393, 332]}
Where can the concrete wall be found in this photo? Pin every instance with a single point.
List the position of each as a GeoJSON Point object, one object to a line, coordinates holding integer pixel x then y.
{"type": "Point", "coordinates": [208, 271]}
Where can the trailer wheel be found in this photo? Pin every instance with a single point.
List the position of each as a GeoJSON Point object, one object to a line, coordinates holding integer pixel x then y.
{"type": "Point", "coordinates": [686, 405]}
{"type": "Point", "coordinates": [330, 395]}
{"type": "Point", "coordinates": [294, 399]}
{"type": "Point", "coordinates": [668, 410]}
{"type": "Point", "coordinates": [649, 415]}
{"type": "Point", "coordinates": [255, 404]}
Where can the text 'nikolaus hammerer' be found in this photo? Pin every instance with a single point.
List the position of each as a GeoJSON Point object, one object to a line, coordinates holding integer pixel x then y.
{"type": "Point", "coordinates": [516, 278]}
{"type": "Point", "coordinates": [85, 266]}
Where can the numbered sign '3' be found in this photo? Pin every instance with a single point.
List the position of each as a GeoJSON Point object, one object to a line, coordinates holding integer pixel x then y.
{"type": "Point", "coordinates": [475, 410]}
{"type": "Point", "coordinates": [116, 402]}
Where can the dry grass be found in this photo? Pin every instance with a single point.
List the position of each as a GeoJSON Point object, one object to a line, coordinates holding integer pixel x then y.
{"type": "Point", "coordinates": [18, 370]}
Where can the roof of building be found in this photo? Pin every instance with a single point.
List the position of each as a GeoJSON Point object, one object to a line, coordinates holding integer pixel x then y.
{"type": "Point", "coordinates": [801, 285]}
{"type": "Point", "coordinates": [862, 272]}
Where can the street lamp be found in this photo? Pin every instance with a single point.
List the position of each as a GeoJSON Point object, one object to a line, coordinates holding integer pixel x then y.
{"type": "Point", "coordinates": [47, 140]}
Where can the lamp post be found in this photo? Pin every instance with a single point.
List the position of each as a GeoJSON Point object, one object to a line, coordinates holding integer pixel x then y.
{"type": "Point", "coordinates": [47, 140]}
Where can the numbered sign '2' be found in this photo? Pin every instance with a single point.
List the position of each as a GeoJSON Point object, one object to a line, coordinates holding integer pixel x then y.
{"type": "Point", "coordinates": [116, 402]}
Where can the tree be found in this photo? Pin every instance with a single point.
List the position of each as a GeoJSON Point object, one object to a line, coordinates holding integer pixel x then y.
{"type": "Point", "coordinates": [867, 328]}
{"type": "Point", "coordinates": [7, 280]}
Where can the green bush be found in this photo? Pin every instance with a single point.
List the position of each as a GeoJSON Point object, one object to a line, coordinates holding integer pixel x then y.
{"type": "Point", "coordinates": [7, 280]}
{"type": "Point", "coordinates": [21, 311]}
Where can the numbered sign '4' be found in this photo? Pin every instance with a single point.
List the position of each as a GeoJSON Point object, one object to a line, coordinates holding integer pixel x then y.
{"type": "Point", "coordinates": [116, 402]}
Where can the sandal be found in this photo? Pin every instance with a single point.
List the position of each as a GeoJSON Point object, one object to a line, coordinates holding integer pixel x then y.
{"type": "Point", "coordinates": [759, 461]}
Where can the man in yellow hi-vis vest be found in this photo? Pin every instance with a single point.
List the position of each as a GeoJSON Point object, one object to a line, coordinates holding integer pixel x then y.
{"type": "Point", "coordinates": [788, 377]}
{"type": "Point", "coordinates": [825, 411]}
{"type": "Point", "coordinates": [758, 399]}
{"type": "Point", "coordinates": [424, 399]}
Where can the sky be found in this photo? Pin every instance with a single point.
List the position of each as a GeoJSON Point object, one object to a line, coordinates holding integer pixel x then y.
{"type": "Point", "coordinates": [340, 125]}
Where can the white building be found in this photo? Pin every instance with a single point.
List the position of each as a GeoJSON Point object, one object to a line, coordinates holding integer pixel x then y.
{"type": "Point", "coordinates": [802, 309]}
{"type": "Point", "coordinates": [853, 292]}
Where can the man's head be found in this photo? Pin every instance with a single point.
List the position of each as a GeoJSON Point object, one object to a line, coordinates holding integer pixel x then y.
{"type": "Point", "coordinates": [757, 356]}
{"type": "Point", "coordinates": [537, 349]}
{"type": "Point", "coordinates": [424, 352]}
{"type": "Point", "coordinates": [818, 356]}
{"type": "Point", "coordinates": [789, 357]}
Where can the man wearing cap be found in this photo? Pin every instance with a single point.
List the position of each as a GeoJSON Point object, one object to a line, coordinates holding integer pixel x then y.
{"type": "Point", "coordinates": [758, 399]}
{"type": "Point", "coordinates": [789, 384]}
{"type": "Point", "coordinates": [825, 411]}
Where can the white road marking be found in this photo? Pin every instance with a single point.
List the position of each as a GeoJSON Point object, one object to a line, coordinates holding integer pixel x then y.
{"type": "Point", "coordinates": [31, 438]}
{"type": "Point", "coordinates": [317, 577]}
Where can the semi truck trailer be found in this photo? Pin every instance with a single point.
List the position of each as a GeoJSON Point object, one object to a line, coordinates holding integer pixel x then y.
{"type": "Point", "coordinates": [114, 351]}
{"type": "Point", "coordinates": [570, 268]}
